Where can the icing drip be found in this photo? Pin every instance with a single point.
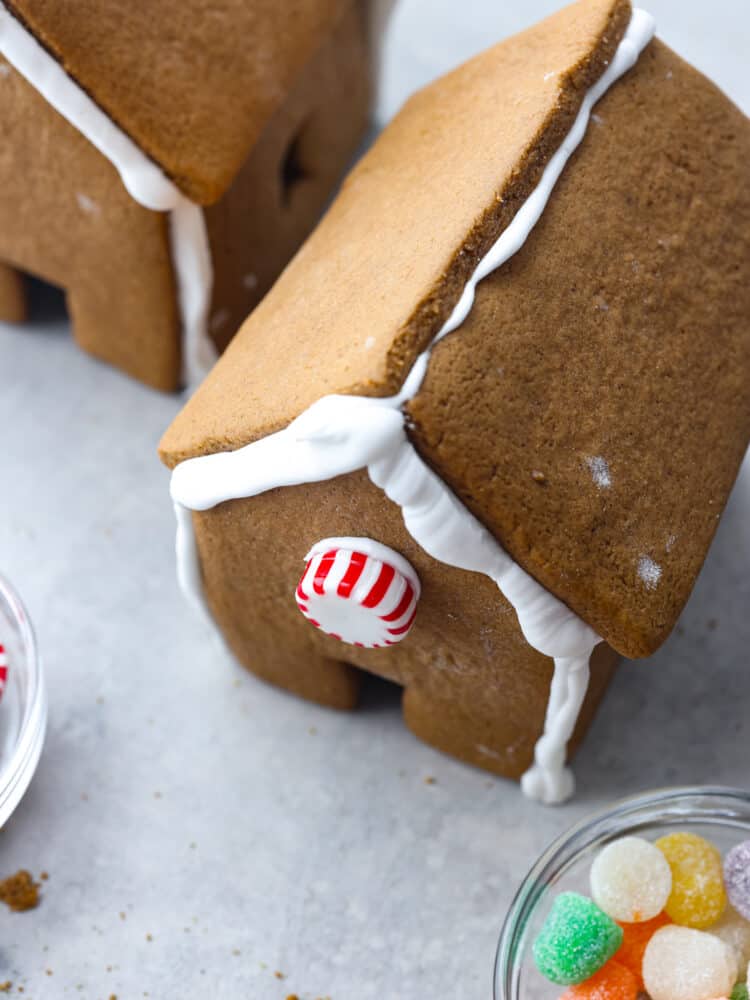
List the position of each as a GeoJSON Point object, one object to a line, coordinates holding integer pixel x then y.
{"type": "Point", "coordinates": [340, 434]}
{"type": "Point", "coordinates": [143, 179]}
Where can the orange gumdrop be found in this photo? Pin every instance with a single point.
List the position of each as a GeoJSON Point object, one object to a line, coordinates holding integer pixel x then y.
{"type": "Point", "coordinates": [635, 938]}
{"type": "Point", "coordinates": [612, 982]}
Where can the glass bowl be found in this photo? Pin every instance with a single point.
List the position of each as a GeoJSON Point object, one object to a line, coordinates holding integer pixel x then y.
{"type": "Point", "coordinates": [722, 815]}
{"type": "Point", "coordinates": [23, 709]}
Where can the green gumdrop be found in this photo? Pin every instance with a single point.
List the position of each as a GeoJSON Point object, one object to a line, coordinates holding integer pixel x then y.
{"type": "Point", "coordinates": [739, 992]}
{"type": "Point", "coordinates": [576, 941]}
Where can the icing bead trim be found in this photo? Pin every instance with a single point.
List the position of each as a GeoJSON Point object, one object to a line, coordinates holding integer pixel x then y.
{"type": "Point", "coordinates": [340, 434]}
{"type": "Point", "coordinates": [143, 179]}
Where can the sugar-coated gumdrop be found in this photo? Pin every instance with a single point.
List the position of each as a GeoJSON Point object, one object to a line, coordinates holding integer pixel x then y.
{"type": "Point", "coordinates": [635, 937]}
{"type": "Point", "coordinates": [734, 930]}
{"type": "Point", "coordinates": [684, 964]}
{"type": "Point", "coordinates": [737, 878]}
{"type": "Point", "coordinates": [613, 982]}
{"type": "Point", "coordinates": [577, 939]}
{"type": "Point", "coordinates": [739, 992]}
{"type": "Point", "coordinates": [698, 898]}
{"type": "Point", "coordinates": [631, 880]}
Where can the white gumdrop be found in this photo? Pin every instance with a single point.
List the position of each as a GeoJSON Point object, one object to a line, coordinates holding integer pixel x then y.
{"type": "Point", "coordinates": [684, 964]}
{"type": "Point", "coordinates": [734, 930]}
{"type": "Point", "coordinates": [631, 880]}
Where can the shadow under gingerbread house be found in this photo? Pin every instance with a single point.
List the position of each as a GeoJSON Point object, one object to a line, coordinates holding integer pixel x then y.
{"type": "Point", "coordinates": [494, 408]}
{"type": "Point", "coordinates": [162, 163]}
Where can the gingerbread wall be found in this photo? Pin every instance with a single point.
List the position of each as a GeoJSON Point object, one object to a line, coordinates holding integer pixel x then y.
{"type": "Point", "coordinates": [66, 217]}
{"type": "Point", "coordinates": [473, 686]}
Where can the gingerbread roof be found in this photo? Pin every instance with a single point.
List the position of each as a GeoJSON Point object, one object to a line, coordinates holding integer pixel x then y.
{"type": "Point", "coordinates": [593, 409]}
{"type": "Point", "coordinates": [193, 83]}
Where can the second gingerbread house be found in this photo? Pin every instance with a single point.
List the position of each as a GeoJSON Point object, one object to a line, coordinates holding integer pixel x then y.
{"type": "Point", "coordinates": [162, 163]}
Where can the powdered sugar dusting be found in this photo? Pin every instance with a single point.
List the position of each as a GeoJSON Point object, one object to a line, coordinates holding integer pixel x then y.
{"type": "Point", "coordinates": [649, 572]}
{"type": "Point", "coordinates": [86, 204]}
{"type": "Point", "coordinates": [599, 469]}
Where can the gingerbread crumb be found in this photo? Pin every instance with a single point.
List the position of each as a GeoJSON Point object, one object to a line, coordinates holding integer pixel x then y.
{"type": "Point", "coordinates": [292, 996]}
{"type": "Point", "coordinates": [19, 892]}
{"type": "Point", "coordinates": [279, 975]}
{"type": "Point", "coordinates": [44, 876]}
{"type": "Point", "coordinates": [6, 986]}
{"type": "Point", "coordinates": [429, 780]}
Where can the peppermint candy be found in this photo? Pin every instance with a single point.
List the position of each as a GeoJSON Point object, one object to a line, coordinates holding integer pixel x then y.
{"type": "Point", "coordinates": [359, 591]}
{"type": "Point", "coordinates": [3, 670]}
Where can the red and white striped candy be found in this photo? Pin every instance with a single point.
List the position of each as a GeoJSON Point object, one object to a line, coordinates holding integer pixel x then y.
{"type": "Point", "coordinates": [359, 591]}
{"type": "Point", "coordinates": [3, 670]}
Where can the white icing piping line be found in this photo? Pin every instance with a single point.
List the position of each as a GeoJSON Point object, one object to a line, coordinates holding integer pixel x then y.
{"type": "Point", "coordinates": [143, 179]}
{"type": "Point", "coordinates": [340, 434]}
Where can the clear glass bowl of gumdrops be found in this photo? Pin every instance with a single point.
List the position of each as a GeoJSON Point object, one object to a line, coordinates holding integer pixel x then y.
{"type": "Point", "coordinates": [23, 701]}
{"type": "Point", "coordinates": [649, 899]}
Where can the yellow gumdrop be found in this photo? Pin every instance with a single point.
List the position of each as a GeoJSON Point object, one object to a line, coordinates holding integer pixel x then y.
{"type": "Point", "coordinates": [698, 898]}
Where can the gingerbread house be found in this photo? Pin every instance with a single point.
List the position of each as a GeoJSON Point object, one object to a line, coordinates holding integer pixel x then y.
{"type": "Point", "coordinates": [493, 409]}
{"type": "Point", "coordinates": [161, 163]}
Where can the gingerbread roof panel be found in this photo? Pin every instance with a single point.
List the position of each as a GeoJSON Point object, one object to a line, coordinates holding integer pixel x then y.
{"type": "Point", "coordinates": [386, 265]}
{"type": "Point", "coordinates": [594, 407]}
{"type": "Point", "coordinates": [192, 83]}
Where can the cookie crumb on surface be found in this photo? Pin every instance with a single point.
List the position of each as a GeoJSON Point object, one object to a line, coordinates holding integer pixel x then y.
{"type": "Point", "coordinates": [279, 975]}
{"type": "Point", "coordinates": [6, 986]}
{"type": "Point", "coordinates": [20, 892]}
{"type": "Point", "coordinates": [429, 780]}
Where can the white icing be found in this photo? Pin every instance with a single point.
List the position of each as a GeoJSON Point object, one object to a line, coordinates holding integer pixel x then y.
{"type": "Point", "coordinates": [143, 179]}
{"type": "Point", "coordinates": [192, 262]}
{"type": "Point", "coordinates": [340, 434]}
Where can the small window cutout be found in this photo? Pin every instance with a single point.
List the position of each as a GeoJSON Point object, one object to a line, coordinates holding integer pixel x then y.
{"type": "Point", "coordinates": [294, 169]}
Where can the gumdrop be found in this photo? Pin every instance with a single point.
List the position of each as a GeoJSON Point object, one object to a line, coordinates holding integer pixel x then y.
{"type": "Point", "coordinates": [613, 982]}
{"type": "Point", "coordinates": [577, 939]}
{"type": "Point", "coordinates": [739, 992]}
{"type": "Point", "coordinates": [698, 898]}
{"type": "Point", "coordinates": [737, 878]}
{"type": "Point", "coordinates": [734, 930]}
{"type": "Point", "coordinates": [634, 940]}
{"type": "Point", "coordinates": [684, 964]}
{"type": "Point", "coordinates": [631, 880]}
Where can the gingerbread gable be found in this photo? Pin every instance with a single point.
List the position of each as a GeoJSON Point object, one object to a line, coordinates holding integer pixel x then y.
{"type": "Point", "coordinates": [593, 408]}
{"type": "Point", "coordinates": [193, 84]}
